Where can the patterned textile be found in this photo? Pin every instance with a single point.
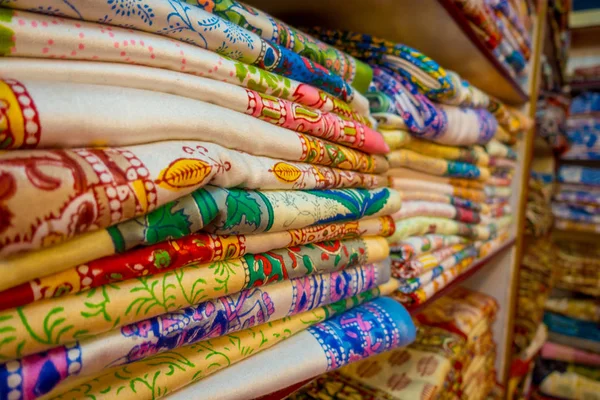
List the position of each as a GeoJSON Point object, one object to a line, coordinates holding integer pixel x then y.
{"type": "Point", "coordinates": [579, 343]}
{"type": "Point", "coordinates": [204, 321]}
{"type": "Point", "coordinates": [435, 166]}
{"type": "Point", "coordinates": [481, 15]}
{"type": "Point", "coordinates": [554, 351]}
{"type": "Point", "coordinates": [565, 381]}
{"type": "Point", "coordinates": [111, 44]}
{"type": "Point", "coordinates": [503, 192]}
{"type": "Point", "coordinates": [580, 197]}
{"type": "Point", "coordinates": [91, 188]}
{"type": "Point", "coordinates": [190, 250]}
{"type": "Point", "coordinates": [418, 264]}
{"type": "Point", "coordinates": [351, 70]}
{"type": "Point", "coordinates": [213, 209]}
{"type": "Point", "coordinates": [496, 149]}
{"type": "Point", "coordinates": [587, 102]}
{"type": "Point", "coordinates": [472, 155]}
{"type": "Point", "coordinates": [571, 326]}
{"type": "Point", "coordinates": [199, 28]}
{"type": "Point", "coordinates": [430, 209]}
{"type": "Point", "coordinates": [373, 328]}
{"type": "Point", "coordinates": [582, 309]}
{"type": "Point", "coordinates": [413, 246]}
{"type": "Point", "coordinates": [406, 185]}
{"type": "Point", "coordinates": [569, 225]}
{"type": "Point", "coordinates": [396, 139]}
{"type": "Point", "coordinates": [563, 211]}
{"type": "Point", "coordinates": [577, 174]}
{"type": "Point", "coordinates": [138, 116]}
{"type": "Point", "coordinates": [429, 178]}
{"type": "Point", "coordinates": [160, 374]}
{"type": "Point", "coordinates": [409, 196]}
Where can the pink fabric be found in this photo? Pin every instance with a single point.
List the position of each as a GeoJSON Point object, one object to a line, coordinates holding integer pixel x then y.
{"type": "Point", "coordinates": [561, 352]}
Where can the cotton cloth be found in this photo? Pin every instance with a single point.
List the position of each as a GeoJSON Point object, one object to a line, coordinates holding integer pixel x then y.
{"type": "Point", "coordinates": [202, 29]}
{"type": "Point", "coordinates": [417, 265]}
{"type": "Point", "coordinates": [560, 352]}
{"type": "Point", "coordinates": [579, 175]}
{"type": "Point", "coordinates": [91, 188]}
{"type": "Point", "coordinates": [582, 309]}
{"type": "Point", "coordinates": [429, 178]}
{"type": "Point", "coordinates": [406, 185]}
{"type": "Point", "coordinates": [471, 155]}
{"type": "Point", "coordinates": [414, 246]}
{"type": "Point", "coordinates": [205, 321]}
{"type": "Point", "coordinates": [212, 209]}
{"type": "Point", "coordinates": [435, 166]}
{"type": "Point", "coordinates": [408, 196]}
{"type": "Point", "coordinates": [430, 209]}
{"type": "Point", "coordinates": [73, 39]}
{"type": "Point", "coordinates": [323, 347]}
{"type": "Point", "coordinates": [571, 326]}
{"type": "Point", "coordinates": [585, 103]}
{"type": "Point", "coordinates": [70, 115]}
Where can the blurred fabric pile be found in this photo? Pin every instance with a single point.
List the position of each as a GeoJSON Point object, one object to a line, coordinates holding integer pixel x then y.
{"type": "Point", "coordinates": [183, 186]}
{"type": "Point", "coordinates": [452, 358]}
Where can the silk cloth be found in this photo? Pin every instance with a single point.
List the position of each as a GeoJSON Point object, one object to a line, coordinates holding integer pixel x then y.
{"type": "Point", "coordinates": [212, 209]}
{"type": "Point", "coordinates": [82, 114]}
{"type": "Point", "coordinates": [199, 359]}
{"type": "Point", "coordinates": [201, 29]}
{"type": "Point", "coordinates": [207, 320]}
{"type": "Point", "coordinates": [194, 249]}
{"type": "Point", "coordinates": [73, 39]}
{"type": "Point", "coordinates": [316, 351]}
{"type": "Point", "coordinates": [436, 166]}
{"type": "Point", "coordinates": [90, 188]}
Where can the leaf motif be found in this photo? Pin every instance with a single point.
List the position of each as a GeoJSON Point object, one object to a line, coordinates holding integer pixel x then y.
{"type": "Point", "coordinates": [286, 172]}
{"type": "Point", "coordinates": [242, 206]}
{"type": "Point", "coordinates": [184, 172]}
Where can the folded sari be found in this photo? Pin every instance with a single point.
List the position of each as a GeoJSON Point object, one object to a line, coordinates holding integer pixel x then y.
{"type": "Point", "coordinates": [471, 155]}
{"type": "Point", "coordinates": [368, 330]}
{"type": "Point", "coordinates": [273, 30]}
{"type": "Point", "coordinates": [577, 174]}
{"type": "Point", "coordinates": [116, 304]}
{"type": "Point", "coordinates": [205, 321]}
{"type": "Point", "coordinates": [572, 326]}
{"type": "Point", "coordinates": [213, 209]}
{"type": "Point", "coordinates": [87, 189]}
{"type": "Point", "coordinates": [418, 226]}
{"type": "Point", "coordinates": [431, 179]}
{"type": "Point", "coordinates": [429, 164]}
{"type": "Point", "coordinates": [200, 28]}
{"type": "Point", "coordinates": [199, 360]}
{"type": "Point", "coordinates": [419, 264]}
{"type": "Point", "coordinates": [193, 249]}
{"type": "Point", "coordinates": [406, 185]}
{"type": "Point", "coordinates": [408, 196]}
{"type": "Point", "coordinates": [73, 39]}
{"type": "Point", "coordinates": [582, 309]}
{"type": "Point", "coordinates": [411, 209]}
{"type": "Point", "coordinates": [560, 352]}
{"type": "Point", "coordinates": [414, 246]}
{"type": "Point", "coordinates": [81, 114]}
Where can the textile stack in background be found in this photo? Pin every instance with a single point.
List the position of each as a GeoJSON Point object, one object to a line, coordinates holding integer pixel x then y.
{"type": "Point", "coordinates": [576, 205]}
{"type": "Point", "coordinates": [505, 28]}
{"type": "Point", "coordinates": [169, 177]}
{"type": "Point", "coordinates": [551, 122]}
{"type": "Point", "coordinates": [452, 358]}
{"type": "Point", "coordinates": [451, 160]}
{"type": "Point", "coordinates": [583, 128]}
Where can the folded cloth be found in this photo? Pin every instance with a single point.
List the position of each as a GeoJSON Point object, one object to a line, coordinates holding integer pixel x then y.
{"type": "Point", "coordinates": [119, 47]}
{"type": "Point", "coordinates": [414, 246]}
{"type": "Point", "coordinates": [441, 186]}
{"type": "Point", "coordinates": [586, 102]}
{"type": "Point", "coordinates": [569, 225]}
{"type": "Point", "coordinates": [481, 15]}
{"type": "Point", "coordinates": [577, 174]}
{"type": "Point", "coordinates": [561, 352]}
{"type": "Point", "coordinates": [195, 362]}
{"type": "Point", "coordinates": [409, 196]}
{"type": "Point", "coordinates": [396, 138]}
{"type": "Point", "coordinates": [200, 28]}
{"type": "Point", "coordinates": [500, 163]}
{"type": "Point", "coordinates": [503, 192]}
{"type": "Point", "coordinates": [504, 137]}
{"type": "Point", "coordinates": [571, 326]}
{"type": "Point", "coordinates": [430, 209]}
{"type": "Point", "coordinates": [564, 211]}
{"type": "Point", "coordinates": [373, 328]}
{"type": "Point", "coordinates": [582, 309]}
{"type": "Point", "coordinates": [573, 341]}
{"type": "Point", "coordinates": [190, 250]}
{"type": "Point", "coordinates": [429, 164]}
{"type": "Point", "coordinates": [80, 114]}
{"type": "Point", "coordinates": [273, 30]}
{"type": "Point", "coordinates": [418, 226]}
{"type": "Point", "coordinates": [499, 181]}
{"type": "Point", "coordinates": [207, 320]}
{"type": "Point", "coordinates": [429, 178]}
{"type": "Point", "coordinates": [472, 155]}
{"type": "Point", "coordinates": [213, 209]}
{"type": "Point", "coordinates": [583, 132]}
{"type": "Point", "coordinates": [91, 188]}
{"type": "Point", "coordinates": [116, 304]}
{"type": "Point", "coordinates": [421, 263]}
{"type": "Point", "coordinates": [565, 381]}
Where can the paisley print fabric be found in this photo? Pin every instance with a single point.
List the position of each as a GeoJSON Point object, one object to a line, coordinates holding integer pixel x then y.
{"type": "Point", "coordinates": [204, 30]}
{"type": "Point", "coordinates": [120, 47]}
{"type": "Point", "coordinates": [207, 320]}
{"type": "Point", "coordinates": [365, 331]}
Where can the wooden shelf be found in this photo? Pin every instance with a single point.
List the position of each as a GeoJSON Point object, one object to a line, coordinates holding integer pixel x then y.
{"type": "Point", "coordinates": [477, 266]}
{"type": "Point", "coordinates": [578, 87]}
{"type": "Point", "coordinates": [436, 27]}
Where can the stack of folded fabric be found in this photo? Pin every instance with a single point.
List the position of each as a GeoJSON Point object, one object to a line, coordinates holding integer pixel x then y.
{"type": "Point", "coordinates": [551, 121]}
{"type": "Point", "coordinates": [576, 205]}
{"type": "Point", "coordinates": [577, 267]}
{"type": "Point", "coordinates": [168, 211]}
{"type": "Point", "coordinates": [583, 128]}
{"type": "Point", "coordinates": [449, 160]}
{"type": "Point", "coordinates": [452, 358]}
{"type": "Point", "coordinates": [502, 29]}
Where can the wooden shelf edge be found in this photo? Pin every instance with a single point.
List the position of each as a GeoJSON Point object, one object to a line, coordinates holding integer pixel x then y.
{"type": "Point", "coordinates": [464, 24]}
{"type": "Point", "coordinates": [475, 267]}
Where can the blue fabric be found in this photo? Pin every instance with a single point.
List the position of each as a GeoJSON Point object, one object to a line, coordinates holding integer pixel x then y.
{"type": "Point", "coordinates": [576, 174]}
{"type": "Point", "coordinates": [572, 327]}
{"type": "Point", "coordinates": [585, 103]}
